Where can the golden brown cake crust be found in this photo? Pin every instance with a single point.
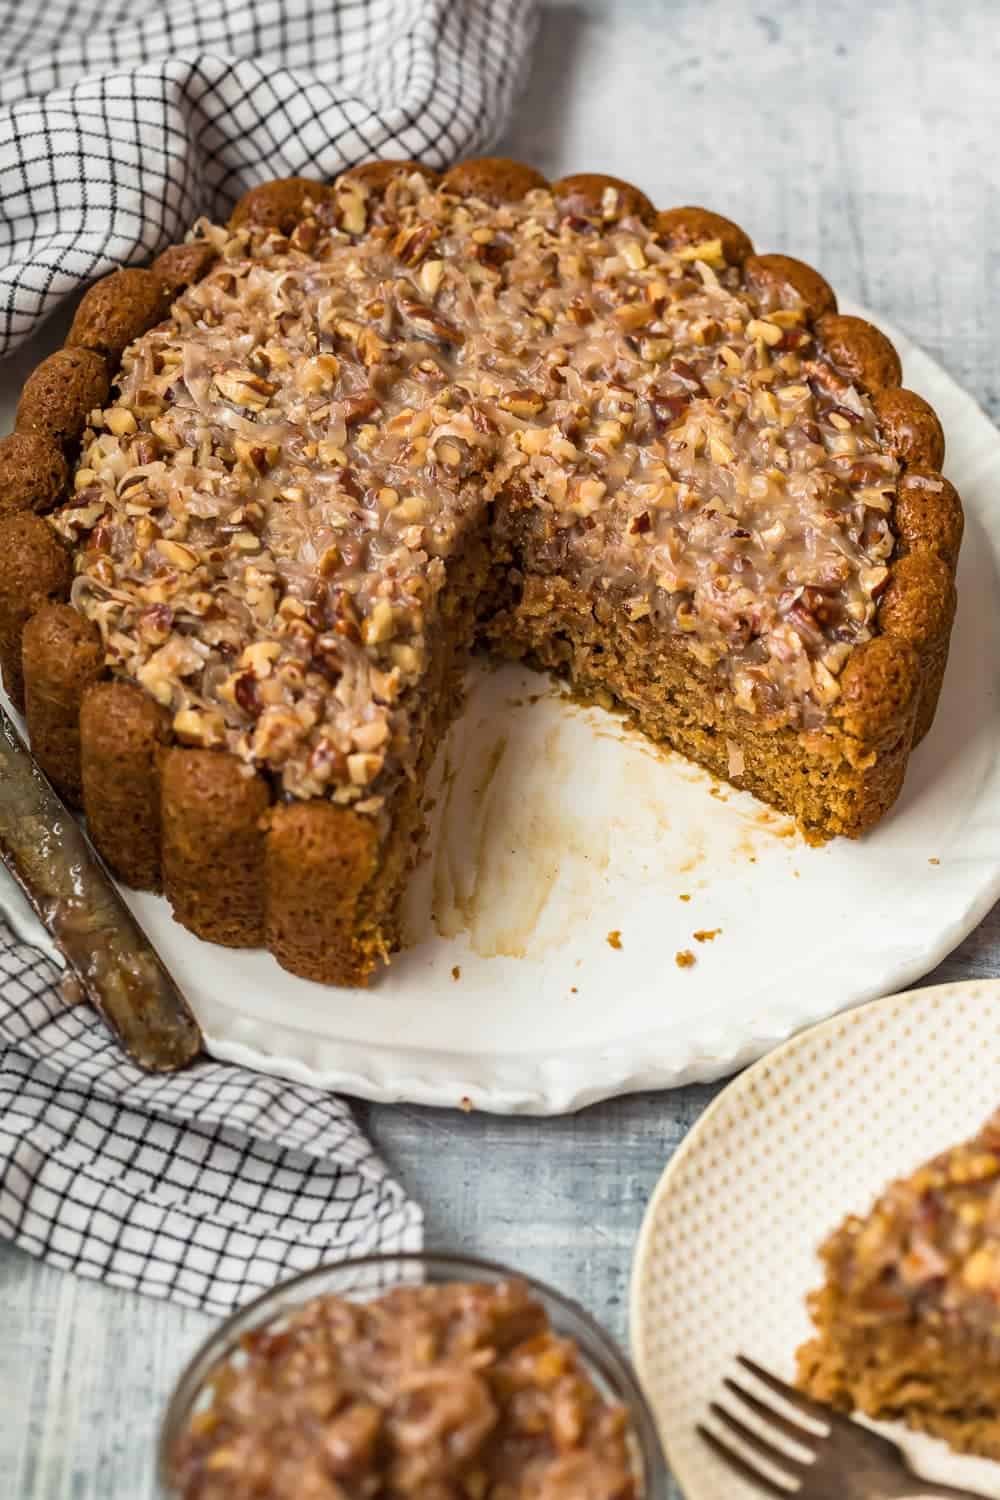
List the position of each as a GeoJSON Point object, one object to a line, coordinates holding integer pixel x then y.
{"type": "Point", "coordinates": [61, 655]}
{"type": "Point", "coordinates": [181, 265]}
{"type": "Point", "coordinates": [33, 472]}
{"type": "Point", "coordinates": [586, 195]}
{"type": "Point", "coordinates": [910, 426]}
{"type": "Point", "coordinates": [495, 179]}
{"type": "Point", "coordinates": [235, 867]}
{"type": "Point", "coordinates": [690, 225]}
{"type": "Point", "coordinates": [860, 351]}
{"type": "Point", "coordinates": [878, 690]}
{"type": "Point", "coordinates": [928, 514]}
{"type": "Point", "coordinates": [279, 204]}
{"type": "Point", "coordinates": [60, 393]}
{"type": "Point", "coordinates": [918, 605]}
{"type": "Point", "coordinates": [320, 858]}
{"type": "Point", "coordinates": [920, 599]}
{"type": "Point", "coordinates": [123, 734]}
{"type": "Point", "coordinates": [34, 568]}
{"type": "Point", "coordinates": [117, 310]}
{"type": "Point", "coordinates": [783, 274]}
{"type": "Point", "coordinates": [213, 845]}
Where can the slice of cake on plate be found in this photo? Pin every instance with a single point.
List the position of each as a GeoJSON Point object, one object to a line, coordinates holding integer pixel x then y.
{"type": "Point", "coordinates": [908, 1318]}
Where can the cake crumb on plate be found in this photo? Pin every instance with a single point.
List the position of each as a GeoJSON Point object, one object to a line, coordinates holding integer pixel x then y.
{"type": "Point", "coordinates": [684, 959]}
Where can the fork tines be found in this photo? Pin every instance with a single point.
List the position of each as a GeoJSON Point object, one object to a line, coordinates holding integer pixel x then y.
{"type": "Point", "coordinates": [792, 1467]}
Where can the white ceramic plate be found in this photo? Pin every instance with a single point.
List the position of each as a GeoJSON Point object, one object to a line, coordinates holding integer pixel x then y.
{"type": "Point", "coordinates": [727, 1250]}
{"type": "Point", "coordinates": [559, 828]}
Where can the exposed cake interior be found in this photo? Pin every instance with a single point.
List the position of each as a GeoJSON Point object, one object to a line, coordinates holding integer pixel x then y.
{"type": "Point", "coordinates": [908, 1320]}
{"type": "Point", "coordinates": [424, 417]}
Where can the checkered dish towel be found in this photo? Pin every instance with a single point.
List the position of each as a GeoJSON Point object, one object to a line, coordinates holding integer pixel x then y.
{"type": "Point", "coordinates": [206, 1186]}
{"type": "Point", "coordinates": [120, 123]}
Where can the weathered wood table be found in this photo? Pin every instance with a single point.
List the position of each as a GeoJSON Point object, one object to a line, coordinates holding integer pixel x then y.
{"type": "Point", "coordinates": [860, 135]}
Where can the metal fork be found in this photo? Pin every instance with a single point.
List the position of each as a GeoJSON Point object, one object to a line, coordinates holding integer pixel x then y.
{"type": "Point", "coordinates": [844, 1462]}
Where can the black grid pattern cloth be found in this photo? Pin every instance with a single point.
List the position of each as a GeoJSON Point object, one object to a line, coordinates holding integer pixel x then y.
{"type": "Point", "coordinates": [205, 1187]}
{"type": "Point", "coordinates": [122, 122]}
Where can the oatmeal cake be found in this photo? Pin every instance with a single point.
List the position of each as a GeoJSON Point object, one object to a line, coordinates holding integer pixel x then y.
{"type": "Point", "coordinates": [365, 426]}
{"type": "Point", "coordinates": [459, 1390]}
{"type": "Point", "coordinates": [908, 1319]}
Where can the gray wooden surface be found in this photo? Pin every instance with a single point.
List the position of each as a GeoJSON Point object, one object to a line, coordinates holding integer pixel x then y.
{"type": "Point", "coordinates": [861, 135]}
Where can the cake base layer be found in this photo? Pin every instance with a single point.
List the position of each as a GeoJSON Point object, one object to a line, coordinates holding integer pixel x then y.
{"type": "Point", "coordinates": [917, 1375]}
{"type": "Point", "coordinates": [676, 702]}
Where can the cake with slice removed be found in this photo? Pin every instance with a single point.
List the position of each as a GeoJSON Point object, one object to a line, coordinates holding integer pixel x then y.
{"type": "Point", "coordinates": [368, 425]}
{"type": "Point", "coordinates": [908, 1318]}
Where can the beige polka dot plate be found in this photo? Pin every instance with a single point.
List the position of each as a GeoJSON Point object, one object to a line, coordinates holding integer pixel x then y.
{"type": "Point", "coordinates": [727, 1250]}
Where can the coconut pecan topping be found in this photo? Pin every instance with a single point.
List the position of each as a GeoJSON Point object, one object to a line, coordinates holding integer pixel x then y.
{"type": "Point", "coordinates": [455, 1392]}
{"type": "Point", "coordinates": [263, 519]}
{"type": "Point", "coordinates": [932, 1243]}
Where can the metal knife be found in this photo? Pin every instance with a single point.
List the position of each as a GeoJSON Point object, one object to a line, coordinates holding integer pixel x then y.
{"type": "Point", "coordinates": [71, 891]}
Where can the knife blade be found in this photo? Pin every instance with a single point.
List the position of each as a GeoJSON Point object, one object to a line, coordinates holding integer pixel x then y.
{"type": "Point", "coordinates": [71, 891]}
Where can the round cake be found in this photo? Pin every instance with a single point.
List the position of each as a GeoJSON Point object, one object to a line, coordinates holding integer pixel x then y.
{"type": "Point", "coordinates": [258, 510]}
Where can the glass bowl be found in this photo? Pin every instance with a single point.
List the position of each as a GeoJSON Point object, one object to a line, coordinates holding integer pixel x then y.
{"type": "Point", "coordinates": [369, 1276]}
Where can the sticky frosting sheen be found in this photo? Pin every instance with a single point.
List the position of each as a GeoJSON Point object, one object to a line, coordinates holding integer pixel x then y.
{"type": "Point", "coordinates": [264, 518]}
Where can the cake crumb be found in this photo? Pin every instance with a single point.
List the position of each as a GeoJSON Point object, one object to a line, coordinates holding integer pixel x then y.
{"type": "Point", "coordinates": [934, 861]}
{"type": "Point", "coordinates": [684, 897]}
{"type": "Point", "coordinates": [706, 934]}
{"type": "Point", "coordinates": [684, 959]}
{"type": "Point", "coordinates": [573, 990]}
{"type": "Point", "coordinates": [456, 972]}
{"type": "Point", "coordinates": [614, 938]}
{"type": "Point", "coordinates": [466, 1104]}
